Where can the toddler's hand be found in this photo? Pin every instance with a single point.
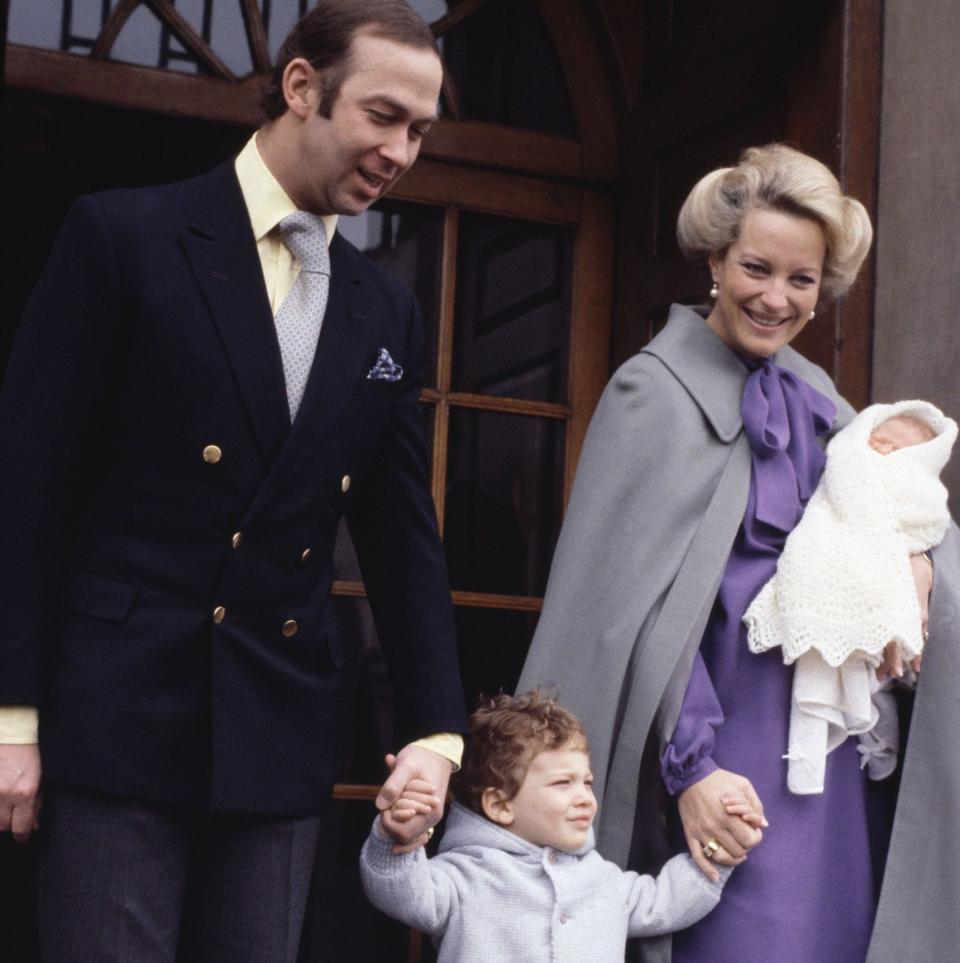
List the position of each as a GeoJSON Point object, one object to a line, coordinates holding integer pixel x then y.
{"type": "Point", "coordinates": [418, 798]}
{"type": "Point", "coordinates": [739, 806]}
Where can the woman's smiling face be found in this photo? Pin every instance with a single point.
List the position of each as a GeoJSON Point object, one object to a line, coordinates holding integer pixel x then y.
{"type": "Point", "coordinates": [769, 281]}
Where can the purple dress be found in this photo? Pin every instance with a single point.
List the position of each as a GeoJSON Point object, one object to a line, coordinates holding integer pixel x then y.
{"type": "Point", "coordinates": [806, 893]}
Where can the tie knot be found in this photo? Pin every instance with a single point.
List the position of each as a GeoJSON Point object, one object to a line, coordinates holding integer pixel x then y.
{"type": "Point", "coordinates": [306, 238]}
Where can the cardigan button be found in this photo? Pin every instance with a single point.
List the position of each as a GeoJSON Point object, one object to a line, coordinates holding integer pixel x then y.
{"type": "Point", "coordinates": [289, 629]}
{"type": "Point", "coordinates": [219, 614]}
{"type": "Point", "coordinates": [306, 555]}
{"type": "Point", "coordinates": [212, 454]}
{"type": "Point", "coordinates": [552, 857]}
{"type": "Point", "coordinates": [564, 917]}
{"type": "Point", "coordinates": [236, 540]}
{"type": "Point", "coordinates": [345, 484]}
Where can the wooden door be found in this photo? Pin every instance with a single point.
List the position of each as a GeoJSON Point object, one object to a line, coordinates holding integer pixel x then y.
{"type": "Point", "coordinates": [504, 229]}
{"type": "Point", "coordinates": [719, 77]}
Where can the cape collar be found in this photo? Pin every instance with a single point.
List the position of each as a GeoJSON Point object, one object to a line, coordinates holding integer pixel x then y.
{"type": "Point", "coordinates": [705, 366]}
{"type": "Point", "coordinates": [712, 374]}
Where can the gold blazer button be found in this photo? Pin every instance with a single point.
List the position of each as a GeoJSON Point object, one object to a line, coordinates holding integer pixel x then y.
{"type": "Point", "coordinates": [236, 540]}
{"type": "Point", "coordinates": [219, 614]}
{"type": "Point", "coordinates": [345, 484]}
{"type": "Point", "coordinates": [212, 454]}
{"type": "Point", "coordinates": [289, 628]}
{"type": "Point", "coordinates": [306, 555]}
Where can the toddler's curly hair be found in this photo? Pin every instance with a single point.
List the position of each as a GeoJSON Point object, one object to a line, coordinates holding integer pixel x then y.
{"type": "Point", "coordinates": [506, 733]}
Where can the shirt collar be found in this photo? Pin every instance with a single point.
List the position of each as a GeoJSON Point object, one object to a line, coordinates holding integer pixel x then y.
{"type": "Point", "coordinates": [267, 202]}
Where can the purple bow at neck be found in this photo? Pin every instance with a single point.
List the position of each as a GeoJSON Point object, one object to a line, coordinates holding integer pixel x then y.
{"type": "Point", "coordinates": [782, 417]}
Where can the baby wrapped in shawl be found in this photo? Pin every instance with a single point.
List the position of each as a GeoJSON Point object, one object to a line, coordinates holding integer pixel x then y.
{"type": "Point", "coordinates": [844, 589]}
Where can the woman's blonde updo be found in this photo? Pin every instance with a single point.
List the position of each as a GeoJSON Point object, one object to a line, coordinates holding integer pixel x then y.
{"type": "Point", "coordinates": [777, 177]}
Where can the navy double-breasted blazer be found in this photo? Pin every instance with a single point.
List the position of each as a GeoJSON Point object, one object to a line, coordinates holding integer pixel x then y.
{"type": "Point", "coordinates": [149, 339]}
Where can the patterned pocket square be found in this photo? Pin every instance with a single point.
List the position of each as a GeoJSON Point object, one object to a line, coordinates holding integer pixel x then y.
{"type": "Point", "coordinates": [386, 369]}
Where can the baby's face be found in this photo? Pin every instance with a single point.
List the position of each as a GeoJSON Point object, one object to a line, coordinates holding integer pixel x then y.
{"type": "Point", "coordinates": [555, 805]}
{"type": "Point", "coordinates": [898, 432]}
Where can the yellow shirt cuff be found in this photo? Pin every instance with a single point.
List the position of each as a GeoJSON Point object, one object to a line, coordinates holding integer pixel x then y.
{"type": "Point", "coordinates": [446, 744]}
{"type": "Point", "coordinates": [18, 725]}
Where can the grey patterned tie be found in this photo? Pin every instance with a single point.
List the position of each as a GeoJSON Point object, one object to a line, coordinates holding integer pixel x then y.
{"type": "Point", "coordinates": [301, 313]}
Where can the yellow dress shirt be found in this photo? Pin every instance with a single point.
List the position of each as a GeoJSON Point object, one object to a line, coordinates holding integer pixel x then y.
{"type": "Point", "coordinates": [267, 205]}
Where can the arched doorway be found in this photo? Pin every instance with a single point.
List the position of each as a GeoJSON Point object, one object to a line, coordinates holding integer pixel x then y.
{"type": "Point", "coordinates": [504, 229]}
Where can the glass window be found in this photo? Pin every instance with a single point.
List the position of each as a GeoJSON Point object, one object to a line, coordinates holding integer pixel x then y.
{"type": "Point", "coordinates": [503, 500]}
{"type": "Point", "coordinates": [493, 644]}
{"type": "Point", "coordinates": [406, 240]}
{"type": "Point", "coordinates": [511, 328]}
{"type": "Point", "coordinates": [506, 70]}
{"type": "Point", "coordinates": [341, 923]}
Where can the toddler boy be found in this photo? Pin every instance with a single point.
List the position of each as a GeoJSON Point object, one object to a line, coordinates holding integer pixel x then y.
{"type": "Point", "coordinates": [517, 876]}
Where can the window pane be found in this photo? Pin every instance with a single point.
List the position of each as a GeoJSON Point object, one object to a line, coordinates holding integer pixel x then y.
{"type": "Point", "coordinates": [340, 923]}
{"type": "Point", "coordinates": [367, 695]}
{"type": "Point", "coordinates": [512, 322]}
{"type": "Point", "coordinates": [431, 10]}
{"type": "Point", "coordinates": [493, 644]}
{"type": "Point", "coordinates": [503, 500]}
{"type": "Point", "coordinates": [506, 69]}
{"type": "Point", "coordinates": [405, 239]}
{"type": "Point", "coordinates": [74, 27]}
{"type": "Point", "coordinates": [279, 17]}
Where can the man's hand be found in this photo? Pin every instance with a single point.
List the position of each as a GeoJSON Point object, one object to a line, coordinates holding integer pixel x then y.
{"type": "Point", "coordinates": [429, 772]}
{"type": "Point", "coordinates": [19, 789]}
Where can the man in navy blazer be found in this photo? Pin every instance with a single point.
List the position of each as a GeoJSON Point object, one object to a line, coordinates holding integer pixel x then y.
{"type": "Point", "coordinates": [166, 533]}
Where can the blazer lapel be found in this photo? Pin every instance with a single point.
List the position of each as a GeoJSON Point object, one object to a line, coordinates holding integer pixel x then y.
{"type": "Point", "coordinates": [337, 371]}
{"type": "Point", "coordinates": [223, 254]}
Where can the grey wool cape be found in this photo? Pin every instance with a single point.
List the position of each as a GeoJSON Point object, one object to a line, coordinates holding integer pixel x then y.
{"type": "Point", "coordinates": [660, 493]}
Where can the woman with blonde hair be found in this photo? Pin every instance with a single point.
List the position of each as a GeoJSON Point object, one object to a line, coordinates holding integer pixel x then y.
{"type": "Point", "coordinates": [699, 461]}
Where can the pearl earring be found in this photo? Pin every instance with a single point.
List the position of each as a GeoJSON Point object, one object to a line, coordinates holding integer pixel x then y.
{"type": "Point", "coordinates": [812, 314]}
{"type": "Point", "coordinates": [715, 290]}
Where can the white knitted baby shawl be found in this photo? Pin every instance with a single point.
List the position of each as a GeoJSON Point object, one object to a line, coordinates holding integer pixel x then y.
{"type": "Point", "coordinates": [843, 587]}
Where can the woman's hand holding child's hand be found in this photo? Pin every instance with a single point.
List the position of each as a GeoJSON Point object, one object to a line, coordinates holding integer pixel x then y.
{"type": "Point", "coordinates": [705, 817]}
{"type": "Point", "coordinates": [738, 805]}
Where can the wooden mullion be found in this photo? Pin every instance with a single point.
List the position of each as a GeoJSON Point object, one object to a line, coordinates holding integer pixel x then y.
{"type": "Point", "coordinates": [348, 589]}
{"type": "Point", "coordinates": [513, 406]}
{"type": "Point", "coordinates": [238, 102]}
{"type": "Point", "coordinates": [455, 16]}
{"type": "Point", "coordinates": [490, 192]}
{"type": "Point", "coordinates": [859, 163]}
{"type": "Point", "coordinates": [111, 29]}
{"type": "Point", "coordinates": [591, 319]}
{"type": "Point", "coordinates": [189, 37]}
{"type": "Point", "coordinates": [476, 600]}
{"type": "Point", "coordinates": [497, 145]}
{"type": "Point", "coordinates": [448, 297]}
{"type": "Point", "coordinates": [448, 293]}
{"type": "Point", "coordinates": [415, 946]}
{"type": "Point", "coordinates": [256, 35]}
{"type": "Point", "coordinates": [354, 792]}
{"type": "Point", "coordinates": [168, 92]}
{"type": "Point", "coordinates": [490, 600]}
{"type": "Point", "coordinates": [451, 96]}
{"type": "Point", "coordinates": [589, 87]}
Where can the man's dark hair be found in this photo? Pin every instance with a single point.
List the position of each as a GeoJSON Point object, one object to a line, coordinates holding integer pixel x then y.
{"type": "Point", "coordinates": [323, 36]}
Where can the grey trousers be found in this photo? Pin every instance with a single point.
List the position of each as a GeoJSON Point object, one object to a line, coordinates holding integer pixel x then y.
{"type": "Point", "coordinates": [128, 881]}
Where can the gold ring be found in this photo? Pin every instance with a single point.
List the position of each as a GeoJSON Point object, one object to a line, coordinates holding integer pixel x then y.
{"type": "Point", "coordinates": [429, 832]}
{"type": "Point", "coordinates": [710, 848]}
{"type": "Point", "coordinates": [926, 636]}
